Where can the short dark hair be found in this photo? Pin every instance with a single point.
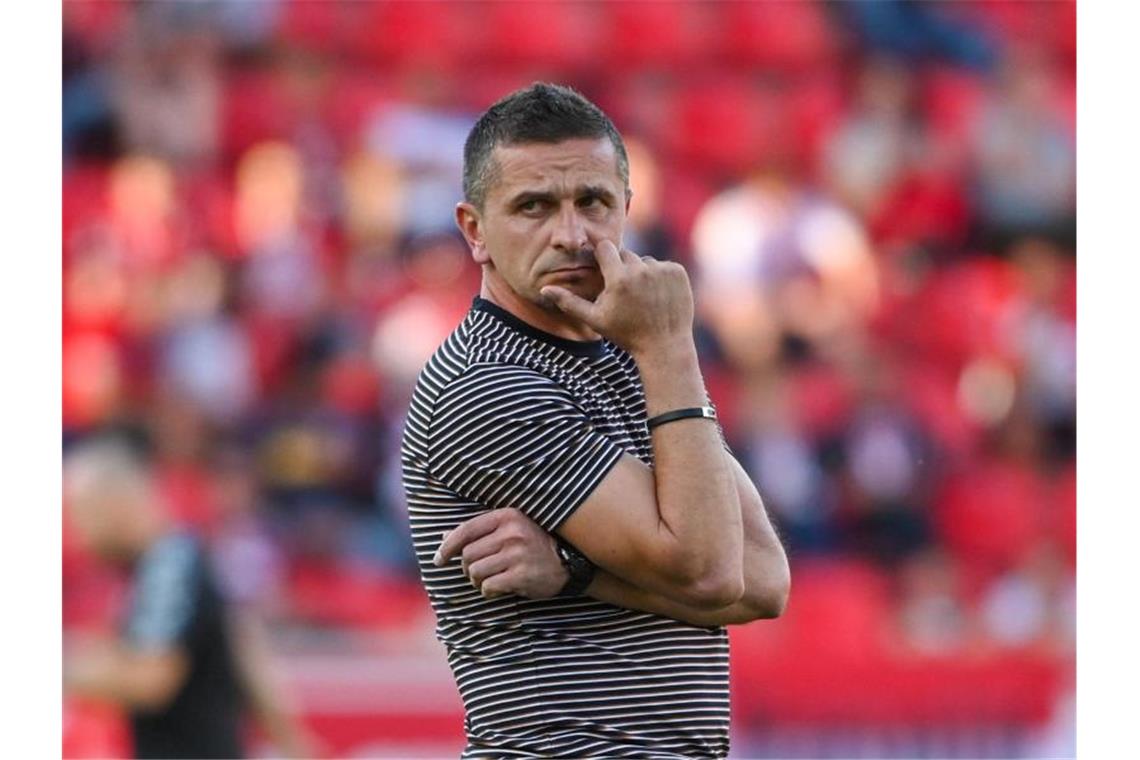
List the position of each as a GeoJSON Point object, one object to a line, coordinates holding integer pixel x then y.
{"type": "Point", "coordinates": [542, 112]}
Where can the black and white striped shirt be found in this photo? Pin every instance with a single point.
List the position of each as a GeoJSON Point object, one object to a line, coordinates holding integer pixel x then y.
{"type": "Point", "coordinates": [505, 415]}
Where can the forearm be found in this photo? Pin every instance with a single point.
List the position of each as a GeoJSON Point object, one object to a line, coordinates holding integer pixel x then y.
{"type": "Point", "coordinates": [699, 511]}
{"type": "Point", "coordinates": [613, 590]}
{"type": "Point", "coordinates": [108, 672]}
{"type": "Point", "coordinates": [266, 697]}
{"type": "Point", "coordinates": [765, 568]}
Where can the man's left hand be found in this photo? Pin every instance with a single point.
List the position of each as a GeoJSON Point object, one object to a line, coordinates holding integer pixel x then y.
{"type": "Point", "coordinates": [505, 552]}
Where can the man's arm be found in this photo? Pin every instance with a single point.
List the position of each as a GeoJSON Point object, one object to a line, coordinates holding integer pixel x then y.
{"type": "Point", "coordinates": [767, 579]}
{"type": "Point", "coordinates": [266, 698]}
{"type": "Point", "coordinates": [107, 670]}
{"type": "Point", "coordinates": [513, 555]}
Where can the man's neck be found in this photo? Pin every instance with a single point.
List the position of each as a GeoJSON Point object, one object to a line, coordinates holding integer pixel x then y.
{"type": "Point", "coordinates": [551, 321]}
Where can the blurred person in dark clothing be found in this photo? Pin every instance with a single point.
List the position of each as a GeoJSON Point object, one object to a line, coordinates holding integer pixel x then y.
{"type": "Point", "coordinates": [185, 666]}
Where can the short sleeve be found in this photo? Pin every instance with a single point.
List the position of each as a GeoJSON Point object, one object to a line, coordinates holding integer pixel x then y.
{"type": "Point", "coordinates": [164, 596]}
{"type": "Point", "coordinates": [507, 436]}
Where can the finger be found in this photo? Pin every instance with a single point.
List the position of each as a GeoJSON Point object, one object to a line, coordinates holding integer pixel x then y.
{"type": "Point", "coordinates": [647, 258]}
{"type": "Point", "coordinates": [571, 304]}
{"type": "Point", "coordinates": [473, 529]}
{"type": "Point", "coordinates": [609, 259]}
{"type": "Point", "coordinates": [483, 547]}
{"type": "Point", "coordinates": [487, 567]}
{"type": "Point", "coordinates": [629, 258]}
{"type": "Point", "coordinates": [498, 585]}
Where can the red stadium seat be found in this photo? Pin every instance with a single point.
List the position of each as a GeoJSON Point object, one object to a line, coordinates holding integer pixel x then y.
{"type": "Point", "coordinates": [952, 99]}
{"type": "Point", "coordinates": [335, 594]}
{"type": "Point", "coordinates": [91, 729]}
{"type": "Point", "coordinates": [412, 33]}
{"type": "Point", "coordinates": [253, 109]}
{"type": "Point", "coordinates": [311, 26]}
{"type": "Point", "coordinates": [84, 200]}
{"type": "Point", "coordinates": [667, 35]}
{"type": "Point", "coordinates": [816, 105]}
{"type": "Point", "coordinates": [726, 125]}
{"type": "Point", "coordinates": [1064, 518]}
{"type": "Point", "coordinates": [96, 23]}
{"type": "Point", "coordinates": [558, 34]}
{"type": "Point", "coordinates": [791, 36]}
{"type": "Point", "coordinates": [993, 513]}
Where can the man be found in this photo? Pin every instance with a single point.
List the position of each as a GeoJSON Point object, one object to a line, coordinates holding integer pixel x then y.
{"type": "Point", "coordinates": [598, 533]}
{"type": "Point", "coordinates": [185, 666]}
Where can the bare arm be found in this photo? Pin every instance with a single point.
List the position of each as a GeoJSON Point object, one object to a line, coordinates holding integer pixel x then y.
{"type": "Point", "coordinates": [106, 670]}
{"type": "Point", "coordinates": [767, 579]}
{"type": "Point", "coordinates": [261, 687]}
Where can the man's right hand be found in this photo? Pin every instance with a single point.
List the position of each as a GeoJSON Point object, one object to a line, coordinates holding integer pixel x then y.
{"type": "Point", "coordinates": [645, 306]}
{"type": "Point", "coordinates": [505, 552]}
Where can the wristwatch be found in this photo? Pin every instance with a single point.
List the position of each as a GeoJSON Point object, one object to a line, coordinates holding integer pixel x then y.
{"type": "Point", "coordinates": [578, 565]}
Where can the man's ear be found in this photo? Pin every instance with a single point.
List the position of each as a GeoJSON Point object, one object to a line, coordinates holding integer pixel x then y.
{"type": "Point", "coordinates": [628, 198]}
{"type": "Point", "coordinates": [471, 225]}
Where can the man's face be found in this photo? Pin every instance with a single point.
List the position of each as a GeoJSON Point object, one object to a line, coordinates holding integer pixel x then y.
{"type": "Point", "coordinates": [544, 214]}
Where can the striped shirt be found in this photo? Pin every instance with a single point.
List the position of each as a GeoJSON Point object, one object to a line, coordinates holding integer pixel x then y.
{"type": "Point", "coordinates": [505, 415]}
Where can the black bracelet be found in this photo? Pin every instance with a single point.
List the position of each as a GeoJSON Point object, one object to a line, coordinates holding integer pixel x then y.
{"type": "Point", "coordinates": [706, 412]}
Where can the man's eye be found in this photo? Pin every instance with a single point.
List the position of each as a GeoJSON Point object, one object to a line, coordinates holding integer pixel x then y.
{"type": "Point", "coordinates": [532, 206]}
{"type": "Point", "coordinates": [590, 201]}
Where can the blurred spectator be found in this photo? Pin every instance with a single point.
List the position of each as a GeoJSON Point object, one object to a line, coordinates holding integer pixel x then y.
{"type": "Point", "coordinates": [426, 137]}
{"type": "Point", "coordinates": [932, 613]}
{"type": "Point", "coordinates": [801, 263]}
{"type": "Point", "coordinates": [1025, 153]}
{"type": "Point", "coordinates": [1031, 604]}
{"type": "Point", "coordinates": [784, 461]}
{"type": "Point", "coordinates": [878, 140]}
{"type": "Point", "coordinates": [205, 355]}
{"type": "Point", "coordinates": [166, 84]}
{"type": "Point", "coordinates": [247, 553]}
{"type": "Point", "coordinates": [919, 31]}
{"type": "Point", "coordinates": [645, 230]}
{"type": "Point", "coordinates": [1041, 327]}
{"type": "Point", "coordinates": [184, 668]}
{"type": "Point", "coordinates": [888, 459]}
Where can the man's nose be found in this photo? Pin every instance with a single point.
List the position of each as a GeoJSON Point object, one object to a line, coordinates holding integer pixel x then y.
{"type": "Point", "coordinates": [569, 230]}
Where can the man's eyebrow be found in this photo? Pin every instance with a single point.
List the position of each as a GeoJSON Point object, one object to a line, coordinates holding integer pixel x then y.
{"type": "Point", "coordinates": [530, 195]}
{"type": "Point", "coordinates": [600, 191]}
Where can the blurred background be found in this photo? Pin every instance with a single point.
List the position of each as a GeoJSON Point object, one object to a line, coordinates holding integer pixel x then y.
{"type": "Point", "coordinates": [876, 203]}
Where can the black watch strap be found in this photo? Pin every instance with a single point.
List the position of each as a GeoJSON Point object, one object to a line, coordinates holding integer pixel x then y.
{"type": "Point", "coordinates": [705, 412]}
{"type": "Point", "coordinates": [578, 565]}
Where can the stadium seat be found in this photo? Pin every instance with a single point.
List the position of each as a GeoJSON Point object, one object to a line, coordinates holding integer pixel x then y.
{"type": "Point", "coordinates": [558, 34]}
{"type": "Point", "coordinates": [401, 34]}
{"type": "Point", "coordinates": [787, 36]}
{"type": "Point", "coordinates": [661, 35]}
{"type": "Point", "coordinates": [726, 125]}
{"type": "Point", "coordinates": [992, 513]}
{"type": "Point", "coordinates": [952, 99]}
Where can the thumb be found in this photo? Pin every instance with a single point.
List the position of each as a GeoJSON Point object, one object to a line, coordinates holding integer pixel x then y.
{"type": "Point", "coordinates": [569, 303]}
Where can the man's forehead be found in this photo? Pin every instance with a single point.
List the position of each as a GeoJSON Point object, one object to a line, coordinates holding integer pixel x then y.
{"type": "Point", "coordinates": [536, 161]}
